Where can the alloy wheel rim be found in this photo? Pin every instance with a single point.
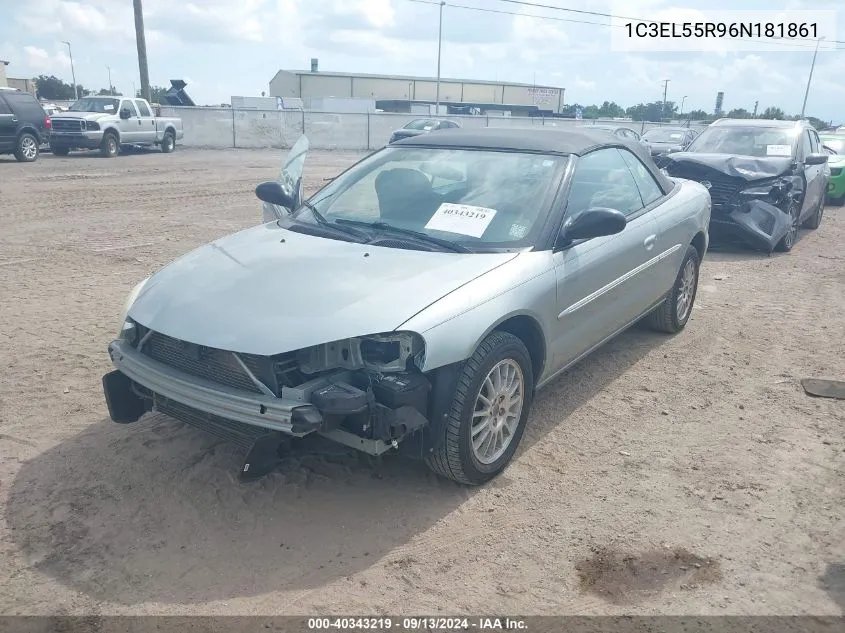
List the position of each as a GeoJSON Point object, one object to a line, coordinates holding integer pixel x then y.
{"type": "Point", "coordinates": [789, 239]}
{"type": "Point", "coordinates": [497, 411]}
{"type": "Point", "coordinates": [28, 148]}
{"type": "Point", "coordinates": [686, 290]}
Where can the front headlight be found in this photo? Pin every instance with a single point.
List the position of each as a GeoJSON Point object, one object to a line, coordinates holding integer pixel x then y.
{"type": "Point", "coordinates": [388, 352]}
{"type": "Point", "coordinates": [771, 192]}
{"type": "Point", "coordinates": [133, 295]}
{"type": "Point", "coordinates": [92, 125]}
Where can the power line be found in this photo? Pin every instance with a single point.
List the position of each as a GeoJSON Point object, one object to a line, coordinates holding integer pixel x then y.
{"type": "Point", "coordinates": [596, 13]}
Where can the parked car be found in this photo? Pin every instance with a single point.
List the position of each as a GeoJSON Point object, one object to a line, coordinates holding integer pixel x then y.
{"type": "Point", "coordinates": [422, 126]}
{"type": "Point", "coordinates": [417, 300]}
{"type": "Point", "coordinates": [662, 140]}
{"type": "Point", "coordinates": [621, 131]}
{"type": "Point", "coordinates": [24, 126]}
{"type": "Point", "coordinates": [106, 123]}
{"type": "Point", "coordinates": [836, 161]}
{"type": "Point", "coordinates": [766, 178]}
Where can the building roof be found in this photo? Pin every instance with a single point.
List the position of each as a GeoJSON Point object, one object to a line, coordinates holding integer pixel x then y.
{"type": "Point", "coordinates": [414, 78]}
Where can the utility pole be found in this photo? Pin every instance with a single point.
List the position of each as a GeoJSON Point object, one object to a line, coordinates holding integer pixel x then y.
{"type": "Point", "coordinates": [141, 41]}
{"type": "Point", "coordinates": [111, 88]}
{"type": "Point", "coordinates": [72, 73]}
{"type": "Point", "coordinates": [754, 114]}
{"type": "Point", "coordinates": [682, 105]}
{"type": "Point", "coordinates": [810, 78]}
{"type": "Point", "coordinates": [439, 46]}
{"type": "Point", "coordinates": [663, 107]}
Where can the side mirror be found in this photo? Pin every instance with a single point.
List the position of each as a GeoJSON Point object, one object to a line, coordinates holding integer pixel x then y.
{"type": "Point", "coordinates": [125, 113]}
{"type": "Point", "coordinates": [815, 159]}
{"type": "Point", "coordinates": [596, 222]}
{"type": "Point", "coordinates": [272, 192]}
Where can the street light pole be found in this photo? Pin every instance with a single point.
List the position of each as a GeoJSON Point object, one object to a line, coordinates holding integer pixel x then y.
{"type": "Point", "coordinates": [684, 98]}
{"type": "Point", "coordinates": [663, 106]}
{"type": "Point", "coordinates": [439, 46]}
{"type": "Point", "coordinates": [810, 78]}
{"type": "Point", "coordinates": [72, 73]}
{"type": "Point", "coordinates": [111, 90]}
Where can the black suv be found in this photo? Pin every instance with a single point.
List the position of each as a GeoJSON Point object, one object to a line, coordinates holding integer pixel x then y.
{"type": "Point", "coordinates": [766, 178]}
{"type": "Point", "coordinates": [24, 126]}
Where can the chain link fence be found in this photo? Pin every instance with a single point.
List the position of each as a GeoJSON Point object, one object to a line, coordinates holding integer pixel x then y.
{"type": "Point", "coordinates": [234, 128]}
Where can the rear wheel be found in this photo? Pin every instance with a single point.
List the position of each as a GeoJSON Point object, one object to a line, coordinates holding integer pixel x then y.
{"type": "Point", "coordinates": [489, 409]}
{"type": "Point", "coordinates": [672, 315]}
{"type": "Point", "coordinates": [788, 241]}
{"type": "Point", "coordinates": [168, 143]}
{"type": "Point", "coordinates": [27, 150]}
{"type": "Point", "coordinates": [110, 147]}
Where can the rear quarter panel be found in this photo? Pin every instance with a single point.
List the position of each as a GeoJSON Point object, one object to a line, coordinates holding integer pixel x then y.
{"type": "Point", "coordinates": [677, 221]}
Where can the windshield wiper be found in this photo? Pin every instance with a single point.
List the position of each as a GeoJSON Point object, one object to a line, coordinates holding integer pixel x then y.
{"type": "Point", "coordinates": [419, 235]}
{"type": "Point", "coordinates": [321, 219]}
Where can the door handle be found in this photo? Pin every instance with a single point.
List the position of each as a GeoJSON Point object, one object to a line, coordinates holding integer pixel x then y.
{"type": "Point", "coordinates": [649, 242]}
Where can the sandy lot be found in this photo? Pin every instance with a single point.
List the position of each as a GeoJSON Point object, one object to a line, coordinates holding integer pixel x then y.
{"type": "Point", "coordinates": [671, 475]}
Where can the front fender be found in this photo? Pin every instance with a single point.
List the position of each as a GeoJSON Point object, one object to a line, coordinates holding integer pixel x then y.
{"type": "Point", "coordinates": [453, 326]}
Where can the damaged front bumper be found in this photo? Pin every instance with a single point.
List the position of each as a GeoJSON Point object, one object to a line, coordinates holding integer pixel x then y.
{"type": "Point", "coordinates": [760, 224]}
{"type": "Point", "coordinates": [292, 417]}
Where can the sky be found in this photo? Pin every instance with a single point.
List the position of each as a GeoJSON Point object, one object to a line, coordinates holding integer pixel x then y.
{"type": "Point", "coordinates": [234, 47]}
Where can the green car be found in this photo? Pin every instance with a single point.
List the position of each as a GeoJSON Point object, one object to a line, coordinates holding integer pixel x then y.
{"type": "Point", "coordinates": [836, 186]}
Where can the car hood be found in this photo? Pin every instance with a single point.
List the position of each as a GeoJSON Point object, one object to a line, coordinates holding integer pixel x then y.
{"type": "Point", "coordinates": [86, 116]}
{"type": "Point", "coordinates": [267, 290]}
{"type": "Point", "coordinates": [748, 168]}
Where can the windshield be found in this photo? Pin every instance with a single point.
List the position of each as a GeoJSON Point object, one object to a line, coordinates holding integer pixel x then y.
{"type": "Point", "coordinates": [105, 106]}
{"type": "Point", "coordinates": [487, 199]}
{"type": "Point", "coordinates": [836, 143]}
{"type": "Point", "coordinates": [664, 136]}
{"type": "Point", "coordinates": [745, 141]}
{"type": "Point", "coordinates": [421, 124]}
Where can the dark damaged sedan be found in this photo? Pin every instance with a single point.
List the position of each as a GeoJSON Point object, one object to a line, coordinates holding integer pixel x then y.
{"type": "Point", "coordinates": [766, 178]}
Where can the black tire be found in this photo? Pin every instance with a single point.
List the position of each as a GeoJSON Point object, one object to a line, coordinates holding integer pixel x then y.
{"type": "Point", "coordinates": [168, 142]}
{"type": "Point", "coordinates": [788, 241]}
{"type": "Point", "coordinates": [27, 148]}
{"type": "Point", "coordinates": [60, 151]}
{"type": "Point", "coordinates": [815, 220]}
{"type": "Point", "coordinates": [669, 316]}
{"type": "Point", "coordinates": [455, 458]}
{"type": "Point", "coordinates": [110, 146]}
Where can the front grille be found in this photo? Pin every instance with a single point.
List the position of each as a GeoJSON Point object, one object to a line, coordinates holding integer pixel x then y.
{"type": "Point", "coordinates": [209, 363]}
{"type": "Point", "coordinates": [68, 125]}
{"type": "Point", "coordinates": [722, 188]}
{"type": "Point", "coordinates": [238, 433]}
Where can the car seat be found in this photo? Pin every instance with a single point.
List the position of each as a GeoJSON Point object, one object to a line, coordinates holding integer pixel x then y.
{"type": "Point", "coordinates": [405, 194]}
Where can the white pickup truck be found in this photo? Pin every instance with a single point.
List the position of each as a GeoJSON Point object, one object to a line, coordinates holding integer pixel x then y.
{"type": "Point", "coordinates": [106, 123]}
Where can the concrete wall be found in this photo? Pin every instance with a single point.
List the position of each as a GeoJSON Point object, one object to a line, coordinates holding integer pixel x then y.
{"type": "Point", "coordinates": [227, 127]}
{"type": "Point", "coordinates": [2, 75]}
{"type": "Point", "coordinates": [24, 85]}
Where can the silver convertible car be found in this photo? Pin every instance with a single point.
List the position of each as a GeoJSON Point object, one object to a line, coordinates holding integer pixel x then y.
{"type": "Point", "coordinates": [418, 300]}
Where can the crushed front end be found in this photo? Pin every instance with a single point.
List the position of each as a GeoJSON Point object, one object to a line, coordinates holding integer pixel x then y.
{"type": "Point", "coordinates": [366, 392]}
{"type": "Point", "coordinates": [756, 210]}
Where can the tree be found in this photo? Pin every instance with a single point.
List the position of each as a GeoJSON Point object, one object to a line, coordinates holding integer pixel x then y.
{"type": "Point", "coordinates": [697, 115]}
{"type": "Point", "coordinates": [610, 110]}
{"type": "Point", "coordinates": [107, 92]}
{"type": "Point", "coordinates": [653, 111]}
{"type": "Point", "coordinates": [772, 113]}
{"type": "Point", "coordinates": [739, 113]}
{"type": "Point", "coordinates": [51, 87]}
{"type": "Point", "coordinates": [156, 94]}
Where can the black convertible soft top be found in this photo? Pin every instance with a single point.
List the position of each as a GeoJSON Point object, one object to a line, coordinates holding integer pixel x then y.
{"type": "Point", "coordinates": [546, 140]}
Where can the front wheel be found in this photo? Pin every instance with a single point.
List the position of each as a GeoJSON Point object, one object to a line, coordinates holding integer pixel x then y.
{"type": "Point", "coordinates": [27, 149]}
{"type": "Point", "coordinates": [489, 409]}
{"type": "Point", "coordinates": [788, 241]}
{"type": "Point", "coordinates": [672, 315]}
{"type": "Point", "coordinates": [110, 147]}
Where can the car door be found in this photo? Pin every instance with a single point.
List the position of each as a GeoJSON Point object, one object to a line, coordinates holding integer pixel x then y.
{"type": "Point", "coordinates": [8, 126]}
{"type": "Point", "coordinates": [146, 123]}
{"type": "Point", "coordinates": [601, 287]}
{"type": "Point", "coordinates": [129, 132]}
{"type": "Point", "coordinates": [810, 173]}
{"type": "Point", "coordinates": [820, 173]}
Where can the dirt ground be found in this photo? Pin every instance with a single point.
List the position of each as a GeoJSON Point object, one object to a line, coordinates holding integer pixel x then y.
{"type": "Point", "coordinates": [662, 475]}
